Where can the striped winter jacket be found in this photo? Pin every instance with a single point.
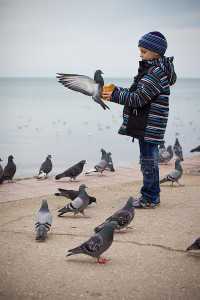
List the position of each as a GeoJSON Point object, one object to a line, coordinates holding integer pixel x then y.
{"type": "Point", "coordinates": [146, 102]}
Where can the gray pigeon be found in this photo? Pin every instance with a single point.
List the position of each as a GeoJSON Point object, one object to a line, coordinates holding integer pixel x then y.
{"type": "Point", "coordinates": [195, 245]}
{"type": "Point", "coordinates": [43, 221]}
{"type": "Point", "coordinates": [79, 204]}
{"type": "Point", "coordinates": [85, 85]}
{"type": "Point", "coordinates": [174, 175]}
{"type": "Point", "coordinates": [123, 216]}
{"type": "Point", "coordinates": [178, 150]}
{"type": "Point", "coordinates": [73, 171]}
{"type": "Point", "coordinates": [1, 169]}
{"type": "Point", "coordinates": [9, 170]}
{"type": "Point", "coordinates": [97, 244]}
{"type": "Point", "coordinates": [46, 166]}
{"type": "Point", "coordinates": [101, 166]}
{"type": "Point", "coordinates": [165, 155]}
{"type": "Point", "coordinates": [196, 149]}
{"type": "Point", "coordinates": [110, 165]}
{"type": "Point", "coordinates": [72, 194]}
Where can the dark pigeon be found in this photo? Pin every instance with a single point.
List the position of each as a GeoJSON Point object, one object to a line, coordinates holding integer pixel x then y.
{"type": "Point", "coordinates": [174, 175]}
{"type": "Point", "coordinates": [97, 244]}
{"type": "Point", "coordinates": [46, 166]}
{"type": "Point", "coordinates": [123, 216]}
{"type": "Point", "coordinates": [72, 194]}
{"type": "Point", "coordinates": [1, 170]}
{"type": "Point", "coordinates": [73, 171]}
{"type": "Point", "coordinates": [110, 165]}
{"type": "Point", "coordinates": [9, 170]}
{"type": "Point", "coordinates": [43, 221]}
{"type": "Point", "coordinates": [196, 149]}
{"type": "Point", "coordinates": [78, 205]}
{"type": "Point", "coordinates": [165, 155]}
{"type": "Point", "coordinates": [195, 245]}
{"type": "Point", "coordinates": [85, 85]}
{"type": "Point", "coordinates": [178, 150]}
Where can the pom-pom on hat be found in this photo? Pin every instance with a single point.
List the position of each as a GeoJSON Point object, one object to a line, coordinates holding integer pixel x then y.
{"type": "Point", "coordinates": [154, 41]}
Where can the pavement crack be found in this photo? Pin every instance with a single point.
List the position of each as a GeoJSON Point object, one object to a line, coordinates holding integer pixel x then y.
{"type": "Point", "coordinates": [167, 248]}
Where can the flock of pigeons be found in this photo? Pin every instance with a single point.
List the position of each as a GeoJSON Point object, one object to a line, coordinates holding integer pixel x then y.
{"type": "Point", "coordinates": [102, 239]}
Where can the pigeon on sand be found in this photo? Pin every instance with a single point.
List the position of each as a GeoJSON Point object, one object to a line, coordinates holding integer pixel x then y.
{"type": "Point", "coordinates": [9, 170]}
{"type": "Point", "coordinates": [43, 221]}
{"type": "Point", "coordinates": [73, 171]}
{"type": "Point", "coordinates": [45, 168]}
{"type": "Point", "coordinates": [165, 155]}
{"type": "Point", "coordinates": [78, 205]}
{"type": "Point", "coordinates": [174, 175]}
{"type": "Point", "coordinates": [97, 244]}
{"type": "Point", "coordinates": [123, 216]}
{"type": "Point", "coordinates": [102, 165]}
{"type": "Point", "coordinates": [72, 194]}
{"type": "Point", "coordinates": [85, 85]}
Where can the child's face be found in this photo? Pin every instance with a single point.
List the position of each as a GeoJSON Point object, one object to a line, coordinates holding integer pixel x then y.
{"type": "Point", "coordinates": [146, 54]}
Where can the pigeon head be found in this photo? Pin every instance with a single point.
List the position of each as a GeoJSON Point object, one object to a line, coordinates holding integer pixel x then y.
{"type": "Point", "coordinates": [10, 157]}
{"type": "Point", "coordinates": [49, 156]}
{"type": "Point", "coordinates": [82, 187]}
{"type": "Point", "coordinates": [83, 162]}
{"type": "Point", "coordinates": [103, 151]}
{"type": "Point", "coordinates": [1, 159]}
{"type": "Point", "coordinates": [98, 72]}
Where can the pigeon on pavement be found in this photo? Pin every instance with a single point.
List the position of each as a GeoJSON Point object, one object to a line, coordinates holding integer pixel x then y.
{"type": "Point", "coordinates": [195, 245]}
{"type": "Point", "coordinates": [1, 169]}
{"type": "Point", "coordinates": [196, 149]}
{"type": "Point", "coordinates": [97, 244]}
{"type": "Point", "coordinates": [79, 204]}
{"type": "Point", "coordinates": [123, 216]}
{"type": "Point", "coordinates": [165, 155]}
{"type": "Point", "coordinates": [72, 194]}
{"type": "Point", "coordinates": [43, 221]}
{"type": "Point", "coordinates": [102, 165]}
{"type": "Point", "coordinates": [174, 175]}
{"type": "Point", "coordinates": [178, 150]}
{"type": "Point", "coordinates": [85, 85]}
{"type": "Point", "coordinates": [9, 170]}
{"type": "Point", "coordinates": [110, 165]}
{"type": "Point", "coordinates": [73, 171]}
{"type": "Point", "coordinates": [46, 167]}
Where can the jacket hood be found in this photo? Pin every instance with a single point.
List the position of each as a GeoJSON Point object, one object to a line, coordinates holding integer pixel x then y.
{"type": "Point", "coordinates": [166, 64]}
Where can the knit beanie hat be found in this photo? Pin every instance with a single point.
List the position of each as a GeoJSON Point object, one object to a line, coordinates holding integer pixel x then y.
{"type": "Point", "coordinates": [154, 41]}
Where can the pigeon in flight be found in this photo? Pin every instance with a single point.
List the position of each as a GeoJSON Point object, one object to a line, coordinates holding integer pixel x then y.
{"type": "Point", "coordinates": [165, 155]}
{"type": "Point", "coordinates": [174, 175]}
{"type": "Point", "coordinates": [43, 221]}
{"type": "Point", "coordinates": [123, 216]}
{"type": "Point", "coordinates": [45, 168]}
{"type": "Point", "coordinates": [196, 149]}
{"type": "Point", "coordinates": [72, 194]}
{"type": "Point", "coordinates": [73, 171]}
{"type": "Point", "coordinates": [178, 150]}
{"type": "Point", "coordinates": [9, 170]}
{"type": "Point", "coordinates": [97, 244]}
{"type": "Point", "coordinates": [79, 204]}
{"type": "Point", "coordinates": [195, 245]}
{"type": "Point", "coordinates": [85, 85]}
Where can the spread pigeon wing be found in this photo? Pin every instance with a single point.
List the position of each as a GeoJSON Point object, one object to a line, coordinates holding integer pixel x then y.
{"type": "Point", "coordinates": [79, 83]}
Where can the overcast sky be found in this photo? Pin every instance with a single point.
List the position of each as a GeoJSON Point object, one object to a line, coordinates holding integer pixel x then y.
{"type": "Point", "coordinates": [42, 37]}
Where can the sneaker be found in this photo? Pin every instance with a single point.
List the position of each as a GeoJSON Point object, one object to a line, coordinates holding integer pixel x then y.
{"type": "Point", "coordinates": [140, 203]}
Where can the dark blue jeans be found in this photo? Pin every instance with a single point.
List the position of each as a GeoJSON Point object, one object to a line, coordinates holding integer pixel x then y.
{"type": "Point", "coordinates": [149, 156]}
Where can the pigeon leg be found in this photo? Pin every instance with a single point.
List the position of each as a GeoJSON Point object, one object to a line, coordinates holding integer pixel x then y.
{"type": "Point", "coordinates": [102, 260]}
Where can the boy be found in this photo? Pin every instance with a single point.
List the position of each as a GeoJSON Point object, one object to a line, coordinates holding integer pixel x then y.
{"type": "Point", "coordinates": [146, 106]}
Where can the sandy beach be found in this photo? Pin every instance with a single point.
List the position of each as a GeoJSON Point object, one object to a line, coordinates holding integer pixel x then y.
{"type": "Point", "coordinates": [146, 262]}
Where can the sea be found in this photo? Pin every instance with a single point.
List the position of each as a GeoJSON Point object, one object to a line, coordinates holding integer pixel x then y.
{"type": "Point", "coordinates": [38, 116]}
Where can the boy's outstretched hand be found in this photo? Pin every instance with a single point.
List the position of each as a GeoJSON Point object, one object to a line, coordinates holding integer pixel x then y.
{"type": "Point", "coordinates": [107, 91]}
